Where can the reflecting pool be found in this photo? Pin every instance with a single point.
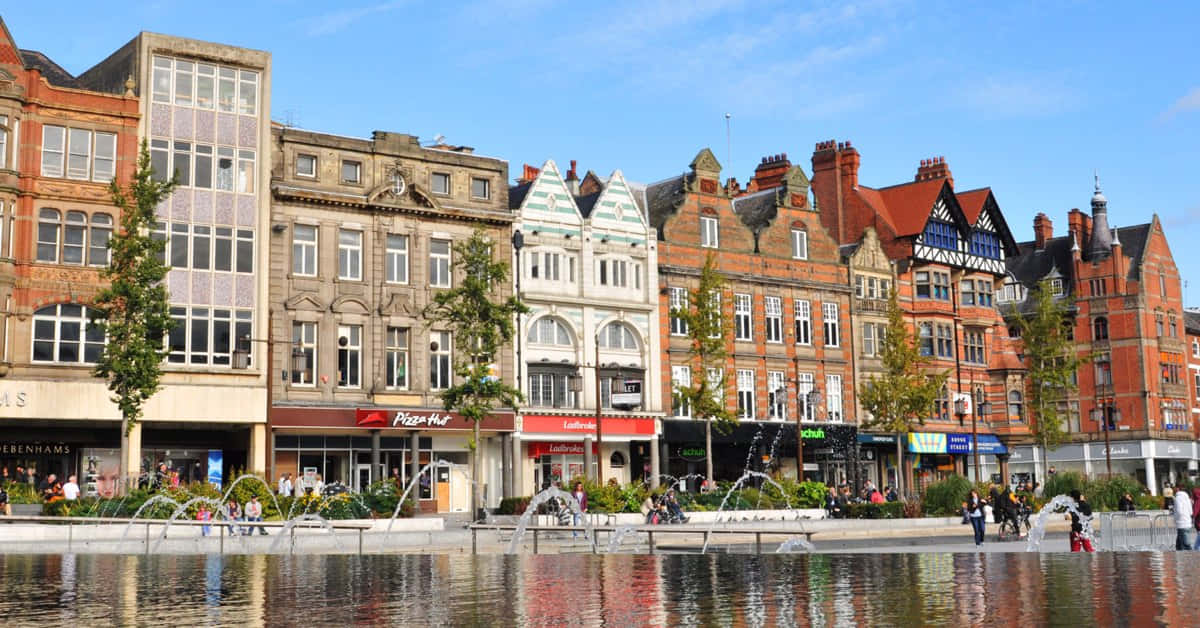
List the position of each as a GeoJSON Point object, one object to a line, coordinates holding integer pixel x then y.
{"type": "Point", "coordinates": [622, 590]}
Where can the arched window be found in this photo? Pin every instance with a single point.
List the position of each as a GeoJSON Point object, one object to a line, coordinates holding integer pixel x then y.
{"type": "Point", "coordinates": [1016, 405]}
{"type": "Point", "coordinates": [549, 331]}
{"type": "Point", "coordinates": [61, 333]}
{"type": "Point", "coordinates": [74, 238]}
{"type": "Point", "coordinates": [102, 228]}
{"type": "Point", "coordinates": [1100, 328]}
{"type": "Point", "coordinates": [618, 336]}
{"type": "Point", "coordinates": [617, 460]}
{"type": "Point", "coordinates": [49, 223]}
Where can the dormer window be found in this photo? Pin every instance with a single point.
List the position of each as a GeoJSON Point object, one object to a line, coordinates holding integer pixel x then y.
{"type": "Point", "coordinates": [985, 244]}
{"type": "Point", "coordinates": [1056, 287]}
{"type": "Point", "coordinates": [942, 235]}
{"type": "Point", "coordinates": [708, 232]}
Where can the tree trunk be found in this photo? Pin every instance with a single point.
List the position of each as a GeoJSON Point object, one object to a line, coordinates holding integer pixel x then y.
{"type": "Point", "coordinates": [476, 501]}
{"type": "Point", "coordinates": [900, 464]}
{"type": "Point", "coordinates": [708, 453]}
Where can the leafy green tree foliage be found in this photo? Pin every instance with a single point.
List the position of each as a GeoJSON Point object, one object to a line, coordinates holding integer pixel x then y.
{"type": "Point", "coordinates": [1052, 362]}
{"type": "Point", "coordinates": [903, 395]}
{"type": "Point", "coordinates": [708, 334]}
{"type": "Point", "coordinates": [480, 323]}
{"type": "Point", "coordinates": [132, 309]}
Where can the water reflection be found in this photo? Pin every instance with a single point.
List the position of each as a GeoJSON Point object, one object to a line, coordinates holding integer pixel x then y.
{"type": "Point", "coordinates": [816, 590]}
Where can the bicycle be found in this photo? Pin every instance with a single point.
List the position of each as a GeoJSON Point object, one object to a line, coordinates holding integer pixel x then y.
{"type": "Point", "coordinates": [1010, 526]}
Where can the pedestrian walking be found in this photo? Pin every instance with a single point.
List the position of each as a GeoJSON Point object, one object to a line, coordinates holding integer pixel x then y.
{"type": "Point", "coordinates": [581, 498]}
{"type": "Point", "coordinates": [1184, 522]}
{"type": "Point", "coordinates": [975, 513]}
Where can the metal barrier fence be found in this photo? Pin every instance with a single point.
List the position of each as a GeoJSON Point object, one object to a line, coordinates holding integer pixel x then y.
{"type": "Point", "coordinates": [1145, 530]}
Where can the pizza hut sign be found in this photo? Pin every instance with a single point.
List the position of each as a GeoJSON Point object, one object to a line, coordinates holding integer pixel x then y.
{"type": "Point", "coordinates": [405, 419]}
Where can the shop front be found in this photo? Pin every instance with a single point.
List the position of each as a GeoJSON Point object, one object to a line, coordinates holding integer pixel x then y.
{"type": "Point", "coordinates": [356, 447]}
{"type": "Point", "coordinates": [939, 455]}
{"type": "Point", "coordinates": [877, 458]}
{"type": "Point", "coordinates": [829, 453]}
{"type": "Point", "coordinates": [555, 448]}
{"type": "Point", "coordinates": [768, 447]}
{"type": "Point", "coordinates": [1024, 466]}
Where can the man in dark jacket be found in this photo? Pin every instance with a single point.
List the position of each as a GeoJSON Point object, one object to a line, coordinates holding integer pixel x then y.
{"type": "Point", "coordinates": [1081, 518]}
{"type": "Point", "coordinates": [994, 500]}
{"type": "Point", "coordinates": [833, 504]}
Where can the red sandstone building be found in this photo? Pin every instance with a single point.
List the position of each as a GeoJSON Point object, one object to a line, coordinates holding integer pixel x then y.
{"type": "Point", "coordinates": [1128, 316]}
{"type": "Point", "coordinates": [787, 297]}
{"type": "Point", "coordinates": [949, 249]}
{"type": "Point", "coordinates": [60, 146]}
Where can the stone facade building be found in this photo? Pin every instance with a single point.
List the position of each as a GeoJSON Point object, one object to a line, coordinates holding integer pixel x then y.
{"type": "Point", "coordinates": [362, 236]}
{"type": "Point", "coordinates": [949, 249]}
{"type": "Point", "coordinates": [588, 270]}
{"type": "Point", "coordinates": [787, 296]}
{"type": "Point", "coordinates": [1127, 307]}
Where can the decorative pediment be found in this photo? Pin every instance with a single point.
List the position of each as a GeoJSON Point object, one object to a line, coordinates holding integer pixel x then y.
{"type": "Point", "coordinates": [398, 304]}
{"type": "Point", "coordinates": [6, 76]}
{"type": "Point", "coordinates": [305, 302]}
{"type": "Point", "coordinates": [796, 181]}
{"type": "Point", "coordinates": [349, 304]}
{"type": "Point", "coordinates": [706, 163]}
{"type": "Point", "coordinates": [399, 189]}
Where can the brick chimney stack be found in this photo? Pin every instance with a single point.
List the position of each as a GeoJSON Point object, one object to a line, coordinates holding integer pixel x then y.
{"type": "Point", "coordinates": [528, 174]}
{"type": "Point", "coordinates": [1043, 230]}
{"type": "Point", "coordinates": [934, 168]}
{"type": "Point", "coordinates": [770, 172]}
{"type": "Point", "coordinates": [1080, 224]}
{"type": "Point", "coordinates": [834, 176]}
{"type": "Point", "coordinates": [572, 179]}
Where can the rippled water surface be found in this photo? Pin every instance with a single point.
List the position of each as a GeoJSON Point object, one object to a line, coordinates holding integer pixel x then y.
{"type": "Point", "coordinates": [620, 590]}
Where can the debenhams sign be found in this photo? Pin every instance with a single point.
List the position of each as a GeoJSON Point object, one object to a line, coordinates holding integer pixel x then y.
{"type": "Point", "coordinates": [12, 398]}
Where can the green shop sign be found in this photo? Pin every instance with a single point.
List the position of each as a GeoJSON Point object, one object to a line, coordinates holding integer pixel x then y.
{"type": "Point", "coordinates": [813, 433]}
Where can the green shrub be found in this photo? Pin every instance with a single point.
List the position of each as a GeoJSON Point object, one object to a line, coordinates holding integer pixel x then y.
{"type": "Point", "coordinates": [945, 498]}
{"type": "Point", "coordinates": [1062, 483]}
{"type": "Point", "coordinates": [886, 510]}
{"type": "Point", "coordinates": [22, 493]}
{"type": "Point", "coordinates": [1105, 493]}
{"type": "Point", "coordinates": [1148, 502]}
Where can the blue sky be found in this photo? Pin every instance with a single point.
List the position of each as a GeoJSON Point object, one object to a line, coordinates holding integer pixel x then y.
{"type": "Point", "coordinates": [1026, 97]}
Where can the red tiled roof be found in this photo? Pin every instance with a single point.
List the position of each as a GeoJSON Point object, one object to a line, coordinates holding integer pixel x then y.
{"type": "Point", "coordinates": [908, 204]}
{"type": "Point", "coordinates": [871, 197]}
{"type": "Point", "coordinates": [971, 202]}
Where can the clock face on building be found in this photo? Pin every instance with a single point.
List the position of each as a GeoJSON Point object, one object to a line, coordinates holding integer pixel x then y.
{"type": "Point", "coordinates": [398, 184]}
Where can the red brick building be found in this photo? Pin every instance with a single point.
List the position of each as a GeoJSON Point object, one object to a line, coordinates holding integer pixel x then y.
{"type": "Point", "coordinates": [787, 297]}
{"type": "Point", "coordinates": [60, 146]}
{"type": "Point", "coordinates": [949, 249]}
{"type": "Point", "coordinates": [1128, 313]}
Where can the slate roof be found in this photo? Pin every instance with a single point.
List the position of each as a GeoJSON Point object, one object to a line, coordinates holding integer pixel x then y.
{"type": "Point", "coordinates": [53, 72]}
{"type": "Point", "coordinates": [661, 199]}
{"type": "Point", "coordinates": [1031, 265]}
{"type": "Point", "coordinates": [517, 193]}
{"type": "Point", "coordinates": [586, 203]}
{"type": "Point", "coordinates": [757, 210]}
{"type": "Point", "coordinates": [1191, 321]}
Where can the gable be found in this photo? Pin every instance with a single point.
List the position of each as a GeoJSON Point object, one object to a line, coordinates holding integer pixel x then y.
{"type": "Point", "coordinates": [548, 205]}
{"type": "Point", "coordinates": [617, 210]}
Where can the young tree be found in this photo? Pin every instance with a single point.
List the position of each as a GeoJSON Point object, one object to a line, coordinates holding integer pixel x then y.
{"type": "Point", "coordinates": [900, 399]}
{"type": "Point", "coordinates": [132, 308]}
{"type": "Point", "coordinates": [480, 324]}
{"type": "Point", "coordinates": [1052, 362]}
{"type": "Point", "coordinates": [708, 333]}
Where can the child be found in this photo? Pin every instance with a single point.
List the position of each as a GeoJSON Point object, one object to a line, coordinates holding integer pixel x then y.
{"type": "Point", "coordinates": [204, 515]}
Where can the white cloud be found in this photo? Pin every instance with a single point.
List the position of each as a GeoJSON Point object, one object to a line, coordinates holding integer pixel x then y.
{"type": "Point", "coordinates": [1018, 97]}
{"type": "Point", "coordinates": [334, 21]}
{"type": "Point", "coordinates": [1188, 102]}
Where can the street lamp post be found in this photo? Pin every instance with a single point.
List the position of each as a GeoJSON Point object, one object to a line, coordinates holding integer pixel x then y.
{"type": "Point", "coordinates": [982, 409]}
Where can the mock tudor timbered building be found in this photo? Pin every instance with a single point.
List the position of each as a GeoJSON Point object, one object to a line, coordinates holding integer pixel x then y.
{"type": "Point", "coordinates": [949, 250]}
{"type": "Point", "coordinates": [362, 237]}
{"type": "Point", "coordinates": [787, 294]}
{"type": "Point", "coordinates": [587, 267]}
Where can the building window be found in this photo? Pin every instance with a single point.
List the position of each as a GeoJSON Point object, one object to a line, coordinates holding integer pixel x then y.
{"type": "Point", "coordinates": [439, 263]}
{"type": "Point", "coordinates": [966, 289]}
{"type": "Point", "coordinates": [1100, 328]}
{"type": "Point", "coordinates": [1172, 329]}
{"type": "Point", "coordinates": [942, 235]}
{"type": "Point", "coordinates": [745, 393]}
{"type": "Point", "coordinates": [678, 302]}
{"type": "Point", "coordinates": [549, 331]}
{"type": "Point", "coordinates": [205, 86]}
{"type": "Point", "coordinates": [81, 242]}
{"type": "Point", "coordinates": [803, 321]}
{"type": "Point", "coordinates": [79, 153]}
{"type": "Point", "coordinates": [351, 171]}
{"type": "Point", "coordinates": [933, 285]}
{"type": "Point", "coordinates": [3, 141]}
{"type": "Point", "coordinates": [832, 326]}
{"type": "Point", "coordinates": [245, 172]}
{"type": "Point", "coordinates": [104, 160]}
{"type": "Point", "coordinates": [618, 336]}
{"type": "Point", "coordinates": [304, 338]}
{"type": "Point", "coordinates": [1158, 317]}
{"type": "Point", "coordinates": [983, 293]}
{"type": "Point", "coordinates": [1056, 287]}
{"type": "Point", "coordinates": [225, 162]}
{"type": "Point", "coordinates": [306, 165]}
{"type": "Point", "coordinates": [1016, 406]}
{"type": "Point", "coordinates": [681, 377]}
{"type": "Point", "coordinates": [716, 315]}
{"type": "Point", "coordinates": [1196, 385]}
{"type": "Point", "coordinates": [304, 250]}
{"type": "Point", "coordinates": [440, 183]}
{"type": "Point", "coordinates": [804, 385]}
{"type": "Point", "coordinates": [349, 356]}
{"type": "Point", "coordinates": [985, 244]}
{"type": "Point", "coordinates": [396, 258]}
{"type": "Point", "coordinates": [1103, 363]}
{"type": "Point", "coordinates": [615, 272]}
{"type": "Point", "coordinates": [873, 338]}
{"type": "Point", "coordinates": [925, 338]}
{"type": "Point", "coordinates": [1012, 291]}
{"type": "Point", "coordinates": [550, 390]}
{"type": "Point", "coordinates": [973, 346]}
{"type": "Point", "coordinates": [799, 244]}
{"type": "Point", "coordinates": [397, 358]}
{"type": "Point", "coordinates": [247, 92]}
{"type": "Point", "coordinates": [1099, 287]}
{"type": "Point", "coordinates": [204, 336]}
{"type": "Point", "coordinates": [833, 402]}
{"type": "Point", "coordinates": [1162, 285]}
{"type": "Point", "coordinates": [439, 360]}
{"type": "Point", "coordinates": [776, 395]}
{"type": "Point", "coordinates": [741, 317]}
{"type": "Point", "coordinates": [54, 144]}
{"type": "Point", "coordinates": [183, 83]}
{"type": "Point", "coordinates": [945, 341]}
{"type": "Point", "coordinates": [708, 232]}
{"type": "Point", "coordinates": [63, 334]}
{"type": "Point", "coordinates": [774, 310]}
{"type": "Point", "coordinates": [349, 255]}
{"type": "Point", "coordinates": [481, 188]}
{"type": "Point", "coordinates": [1196, 348]}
